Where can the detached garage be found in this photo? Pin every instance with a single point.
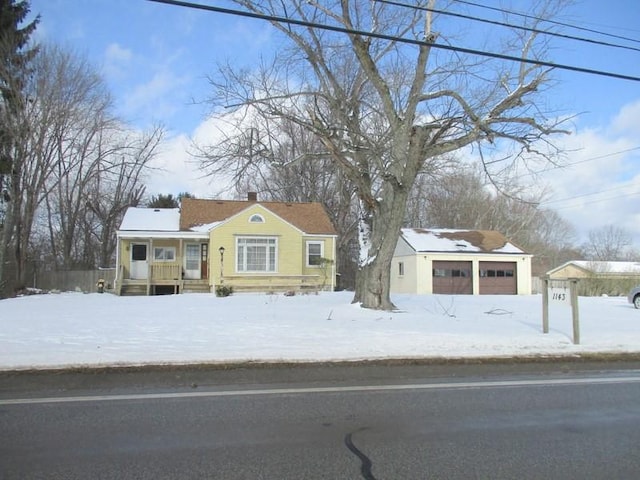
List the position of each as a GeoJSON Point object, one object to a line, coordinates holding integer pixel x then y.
{"type": "Point", "coordinates": [459, 262]}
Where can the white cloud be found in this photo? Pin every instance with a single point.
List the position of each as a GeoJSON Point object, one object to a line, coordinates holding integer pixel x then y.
{"type": "Point", "coordinates": [627, 122]}
{"type": "Point", "coordinates": [155, 100]}
{"type": "Point", "coordinates": [117, 60]}
{"type": "Point", "coordinates": [117, 53]}
{"type": "Point", "coordinates": [599, 185]}
{"type": "Point", "coordinates": [176, 170]}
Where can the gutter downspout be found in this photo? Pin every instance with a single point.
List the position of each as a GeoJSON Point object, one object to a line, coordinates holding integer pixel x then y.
{"type": "Point", "coordinates": [335, 261]}
{"type": "Point", "coordinates": [115, 281]}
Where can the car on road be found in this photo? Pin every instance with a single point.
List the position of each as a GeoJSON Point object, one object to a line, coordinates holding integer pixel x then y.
{"type": "Point", "coordinates": [634, 296]}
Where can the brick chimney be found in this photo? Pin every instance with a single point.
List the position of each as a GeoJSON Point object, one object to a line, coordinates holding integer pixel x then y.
{"type": "Point", "coordinates": [252, 196]}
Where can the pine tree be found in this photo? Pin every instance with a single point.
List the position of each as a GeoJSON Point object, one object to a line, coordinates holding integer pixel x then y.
{"type": "Point", "coordinates": [15, 52]}
{"type": "Point", "coordinates": [15, 57]}
{"type": "Point", "coordinates": [163, 201]}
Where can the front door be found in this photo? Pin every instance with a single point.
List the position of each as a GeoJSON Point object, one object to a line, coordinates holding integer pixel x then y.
{"type": "Point", "coordinates": [192, 261]}
{"type": "Point", "coordinates": [139, 262]}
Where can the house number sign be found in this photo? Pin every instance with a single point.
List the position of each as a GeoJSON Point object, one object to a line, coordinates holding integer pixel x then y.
{"type": "Point", "coordinates": [561, 291]}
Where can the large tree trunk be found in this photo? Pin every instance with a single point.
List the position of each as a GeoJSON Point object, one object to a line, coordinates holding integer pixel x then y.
{"type": "Point", "coordinates": [379, 230]}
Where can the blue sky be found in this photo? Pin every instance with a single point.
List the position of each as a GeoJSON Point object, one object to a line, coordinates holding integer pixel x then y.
{"type": "Point", "coordinates": [155, 59]}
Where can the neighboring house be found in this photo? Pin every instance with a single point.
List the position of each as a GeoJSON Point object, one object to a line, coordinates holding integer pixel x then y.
{"type": "Point", "coordinates": [586, 268]}
{"type": "Point", "coordinates": [450, 261]}
{"type": "Point", "coordinates": [248, 245]}
{"type": "Point", "coordinates": [599, 277]}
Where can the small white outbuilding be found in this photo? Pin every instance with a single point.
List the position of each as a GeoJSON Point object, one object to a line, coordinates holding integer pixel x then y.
{"type": "Point", "coordinates": [448, 261]}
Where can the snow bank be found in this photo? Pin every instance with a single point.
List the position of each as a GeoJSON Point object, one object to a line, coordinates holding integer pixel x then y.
{"type": "Point", "coordinates": [75, 329]}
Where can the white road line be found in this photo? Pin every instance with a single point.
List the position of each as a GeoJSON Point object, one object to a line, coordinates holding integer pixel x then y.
{"type": "Point", "coordinates": [320, 390]}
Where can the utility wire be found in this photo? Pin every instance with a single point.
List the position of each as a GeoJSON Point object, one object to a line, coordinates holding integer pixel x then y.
{"type": "Point", "coordinates": [504, 24]}
{"type": "Point", "coordinates": [591, 194]}
{"type": "Point", "coordinates": [576, 205]}
{"type": "Point", "coordinates": [302, 23]}
{"type": "Point", "coordinates": [554, 22]}
{"type": "Point", "coordinates": [591, 159]}
{"type": "Point", "coordinates": [567, 165]}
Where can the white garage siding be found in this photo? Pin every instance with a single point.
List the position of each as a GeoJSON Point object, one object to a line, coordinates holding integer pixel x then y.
{"type": "Point", "coordinates": [496, 266]}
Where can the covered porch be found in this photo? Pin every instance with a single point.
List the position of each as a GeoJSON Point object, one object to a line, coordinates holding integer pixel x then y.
{"type": "Point", "coordinates": [160, 265]}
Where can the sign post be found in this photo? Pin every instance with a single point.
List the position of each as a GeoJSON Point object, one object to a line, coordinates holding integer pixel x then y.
{"type": "Point", "coordinates": [573, 288]}
{"type": "Point", "coordinates": [545, 305]}
{"type": "Point", "coordinates": [562, 291]}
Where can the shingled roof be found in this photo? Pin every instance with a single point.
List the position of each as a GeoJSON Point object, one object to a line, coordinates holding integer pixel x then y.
{"type": "Point", "coordinates": [311, 217]}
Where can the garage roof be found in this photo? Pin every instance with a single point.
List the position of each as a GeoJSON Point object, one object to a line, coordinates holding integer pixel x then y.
{"type": "Point", "coordinates": [458, 241]}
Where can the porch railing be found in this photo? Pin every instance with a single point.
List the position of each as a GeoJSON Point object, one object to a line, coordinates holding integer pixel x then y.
{"type": "Point", "coordinates": [166, 271]}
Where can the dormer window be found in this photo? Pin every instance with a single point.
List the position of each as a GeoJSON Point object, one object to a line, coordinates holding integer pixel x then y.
{"type": "Point", "coordinates": [256, 218]}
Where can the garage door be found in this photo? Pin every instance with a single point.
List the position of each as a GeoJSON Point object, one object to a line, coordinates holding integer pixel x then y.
{"type": "Point", "coordinates": [452, 278]}
{"type": "Point", "coordinates": [498, 278]}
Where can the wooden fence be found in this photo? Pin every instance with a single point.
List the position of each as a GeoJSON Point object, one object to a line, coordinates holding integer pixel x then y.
{"type": "Point", "coordinates": [70, 280]}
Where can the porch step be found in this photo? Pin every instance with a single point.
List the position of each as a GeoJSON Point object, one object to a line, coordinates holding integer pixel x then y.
{"type": "Point", "coordinates": [131, 290]}
{"type": "Point", "coordinates": [196, 287]}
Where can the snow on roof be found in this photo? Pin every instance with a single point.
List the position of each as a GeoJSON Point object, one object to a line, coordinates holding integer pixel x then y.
{"type": "Point", "coordinates": [151, 219]}
{"type": "Point", "coordinates": [205, 227]}
{"type": "Point", "coordinates": [602, 266]}
{"type": "Point", "coordinates": [450, 240]}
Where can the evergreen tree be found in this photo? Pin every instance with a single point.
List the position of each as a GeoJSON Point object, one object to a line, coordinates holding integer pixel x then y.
{"type": "Point", "coordinates": [15, 54]}
{"type": "Point", "coordinates": [15, 57]}
{"type": "Point", "coordinates": [163, 201]}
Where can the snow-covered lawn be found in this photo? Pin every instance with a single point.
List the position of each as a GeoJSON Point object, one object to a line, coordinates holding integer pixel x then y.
{"type": "Point", "coordinates": [75, 329]}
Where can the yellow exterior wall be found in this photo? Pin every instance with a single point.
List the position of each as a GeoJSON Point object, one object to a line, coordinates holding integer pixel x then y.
{"type": "Point", "coordinates": [125, 250]}
{"type": "Point", "coordinates": [570, 271]}
{"type": "Point", "coordinates": [290, 250]}
{"type": "Point", "coordinates": [291, 272]}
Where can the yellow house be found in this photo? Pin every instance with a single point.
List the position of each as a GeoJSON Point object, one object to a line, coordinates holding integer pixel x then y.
{"type": "Point", "coordinates": [248, 245]}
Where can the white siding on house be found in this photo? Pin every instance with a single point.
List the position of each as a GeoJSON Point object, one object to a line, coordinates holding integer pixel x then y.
{"type": "Point", "coordinates": [403, 283]}
{"type": "Point", "coordinates": [424, 269]}
{"type": "Point", "coordinates": [418, 266]}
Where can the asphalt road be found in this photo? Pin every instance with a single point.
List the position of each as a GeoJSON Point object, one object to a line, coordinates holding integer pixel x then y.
{"type": "Point", "coordinates": [571, 421]}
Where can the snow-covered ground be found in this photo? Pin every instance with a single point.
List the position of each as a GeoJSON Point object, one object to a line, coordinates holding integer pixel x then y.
{"type": "Point", "coordinates": [75, 329]}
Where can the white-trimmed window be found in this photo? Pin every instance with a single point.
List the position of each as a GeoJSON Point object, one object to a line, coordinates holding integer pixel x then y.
{"type": "Point", "coordinates": [256, 254]}
{"type": "Point", "coordinates": [315, 253]}
{"type": "Point", "coordinates": [401, 269]}
{"type": "Point", "coordinates": [256, 218]}
{"type": "Point", "coordinates": [164, 254]}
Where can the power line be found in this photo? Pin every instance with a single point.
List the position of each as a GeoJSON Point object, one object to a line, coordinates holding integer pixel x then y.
{"type": "Point", "coordinates": [591, 194]}
{"type": "Point", "coordinates": [554, 22]}
{"type": "Point", "coordinates": [608, 199]}
{"type": "Point", "coordinates": [504, 24]}
{"type": "Point", "coordinates": [567, 165]}
{"type": "Point", "coordinates": [303, 23]}
{"type": "Point", "coordinates": [591, 159]}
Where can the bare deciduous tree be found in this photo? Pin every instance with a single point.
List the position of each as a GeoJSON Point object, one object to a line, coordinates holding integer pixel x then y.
{"type": "Point", "coordinates": [119, 185]}
{"type": "Point", "coordinates": [609, 243]}
{"type": "Point", "coordinates": [76, 169]}
{"type": "Point", "coordinates": [382, 110]}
